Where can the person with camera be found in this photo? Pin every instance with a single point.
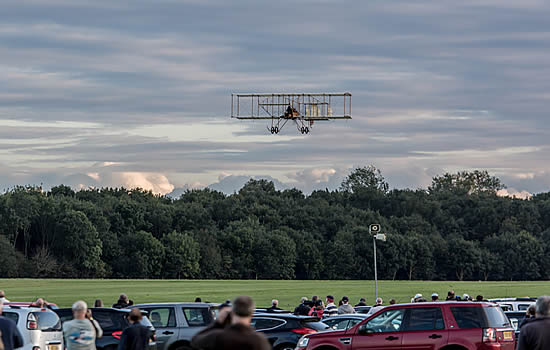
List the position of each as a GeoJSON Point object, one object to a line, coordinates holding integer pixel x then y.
{"type": "Point", "coordinates": [82, 331]}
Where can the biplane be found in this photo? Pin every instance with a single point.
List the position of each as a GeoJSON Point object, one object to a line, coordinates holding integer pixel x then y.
{"type": "Point", "coordinates": [303, 110]}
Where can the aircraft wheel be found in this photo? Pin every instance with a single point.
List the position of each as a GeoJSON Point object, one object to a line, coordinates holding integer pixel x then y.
{"type": "Point", "coordinates": [302, 130]}
{"type": "Point", "coordinates": [272, 129]}
{"type": "Point", "coordinates": [307, 130]}
{"type": "Point", "coordinates": [276, 129]}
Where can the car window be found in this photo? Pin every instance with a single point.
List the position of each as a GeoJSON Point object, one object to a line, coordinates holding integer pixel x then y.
{"type": "Point", "coordinates": [388, 321]}
{"type": "Point", "coordinates": [197, 317]}
{"type": "Point", "coordinates": [162, 317]}
{"type": "Point", "coordinates": [425, 319]}
{"type": "Point", "coordinates": [496, 317]}
{"type": "Point", "coordinates": [47, 321]}
{"type": "Point", "coordinates": [523, 307]}
{"type": "Point", "coordinates": [469, 317]}
{"type": "Point", "coordinates": [12, 316]}
{"type": "Point", "coordinates": [261, 324]}
{"type": "Point", "coordinates": [337, 324]}
{"type": "Point", "coordinates": [353, 322]}
{"type": "Point", "coordinates": [110, 321]}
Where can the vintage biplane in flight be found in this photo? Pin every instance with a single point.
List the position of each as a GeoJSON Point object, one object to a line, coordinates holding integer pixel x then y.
{"type": "Point", "coordinates": [300, 109]}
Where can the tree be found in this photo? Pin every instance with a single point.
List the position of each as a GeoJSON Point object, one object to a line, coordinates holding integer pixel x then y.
{"type": "Point", "coordinates": [466, 183]}
{"type": "Point", "coordinates": [368, 178]}
{"type": "Point", "coordinates": [143, 256]}
{"type": "Point", "coordinates": [8, 259]}
{"type": "Point", "coordinates": [464, 257]}
{"type": "Point", "coordinates": [182, 255]}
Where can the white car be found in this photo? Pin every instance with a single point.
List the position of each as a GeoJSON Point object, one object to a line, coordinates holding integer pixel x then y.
{"type": "Point", "coordinates": [514, 304]}
{"type": "Point", "coordinates": [40, 328]}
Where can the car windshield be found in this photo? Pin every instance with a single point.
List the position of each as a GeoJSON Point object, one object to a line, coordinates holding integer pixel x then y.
{"type": "Point", "coordinates": [47, 321]}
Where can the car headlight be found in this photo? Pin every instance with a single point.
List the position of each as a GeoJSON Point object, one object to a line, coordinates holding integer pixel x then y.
{"type": "Point", "coordinates": [302, 343]}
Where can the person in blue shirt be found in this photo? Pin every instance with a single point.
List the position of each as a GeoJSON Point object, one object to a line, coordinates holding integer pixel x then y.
{"type": "Point", "coordinates": [11, 337]}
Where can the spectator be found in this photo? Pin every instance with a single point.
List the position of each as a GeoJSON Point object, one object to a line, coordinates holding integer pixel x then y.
{"type": "Point", "coordinates": [392, 301]}
{"type": "Point", "coordinates": [530, 315]}
{"type": "Point", "coordinates": [302, 309]}
{"type": "Point", "coordinates": [274, 306]}
{"type": "Point", "coordinates": [466, 297]}
{"type": "Point", "coordinates": [98, 303]}
{"type": "Point", "coordinates": [130, 302]}
{"type": "Point", "coordinates": [206, 338]}
{"type": "Point", "coordinates": [3, 297]}
{"type": "Point", "coordinates": [135, 337]}
{"type": "Point", "coordinates": [451, 295]}
{"type": "Point", "coordinates": [535, 335]}
{"type": "Point", "coordinates": [9, 334]}
{"type": "Point", "coordinates": [345, 308]}
{"type": "Point", "coordinates": [239, 334]}
{"type": "Point", "coordinates": [39, 302]}
{"type": "Point", "coordinates": [122, 302]}
{"type": "Point", "coordinates": [379, 305]}
{"type": "Point", "coordinates": [417, 297]}
{"type": "Point", "coordinates": [81, 332]}
{"type": "Point", "coordinates": [479, 298]}
{"type": "Point", "coordinates": [362, 302]}
{"type": "Point", "coordinates": [340, 303]}
{"type": "Point", "coordinates": [198, 300]}
{"type": "Point", "coordinates": [330, 309]}
{"type": "Point", "coordinates": [317, 310]}
{"type": "Point", "coordinates": [435, 297]}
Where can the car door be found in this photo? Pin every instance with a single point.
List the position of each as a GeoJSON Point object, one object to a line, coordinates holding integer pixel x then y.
{"type": "Point", "coordinates": [380, 332]}
{"type": "Point", "coordinates": [163, 318]}
{"type": "Point", "coordinates": [424, 329]}
{"type": "Point", "coordinates": [268, 326]}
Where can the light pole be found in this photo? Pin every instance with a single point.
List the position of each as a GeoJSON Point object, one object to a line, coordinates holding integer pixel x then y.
{"type": "Point", "coordinates": [374, 230]}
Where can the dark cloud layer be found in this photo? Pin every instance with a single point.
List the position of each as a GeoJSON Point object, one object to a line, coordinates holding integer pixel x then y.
{"type": "Point", "coordinates": [438, 86]}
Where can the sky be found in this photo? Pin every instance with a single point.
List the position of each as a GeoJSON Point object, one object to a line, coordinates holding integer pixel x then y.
{"type": "Point", "coordinates": [138, 93]}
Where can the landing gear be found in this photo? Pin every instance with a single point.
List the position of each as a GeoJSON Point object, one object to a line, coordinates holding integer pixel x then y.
{"type": "Point", "coordinates": [304, 130]}
{"type": "Point", "coordinates": [274, 130]}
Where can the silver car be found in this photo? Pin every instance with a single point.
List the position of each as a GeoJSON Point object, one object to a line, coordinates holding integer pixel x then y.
{"type": "Point", "coordinates": [177, 323]}
{"type": "Point", "coordinates": [40, 328]}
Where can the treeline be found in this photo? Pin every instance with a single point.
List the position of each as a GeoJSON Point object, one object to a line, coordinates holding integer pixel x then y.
{"type": "Point", "coordinates": [457, 229]}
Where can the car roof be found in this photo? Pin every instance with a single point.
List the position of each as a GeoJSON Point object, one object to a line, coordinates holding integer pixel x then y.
{"type": "Point", "coordinates": [185, 303]}
{"type": "Point", "coordinates": [441, 303]}
{"type": "Point", "coordinates": [23, 310]}
{"type": "Point", "coordinates": [284, 315]}
{"type": "Point", "coordinates": [358, 316]}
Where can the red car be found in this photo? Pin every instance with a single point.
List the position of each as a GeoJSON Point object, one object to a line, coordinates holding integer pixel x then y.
{"type": "Point", "coordinates": [449, 325]}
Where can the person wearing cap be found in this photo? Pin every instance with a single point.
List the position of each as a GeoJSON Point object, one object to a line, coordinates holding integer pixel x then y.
{"type": "Point", "coordinates": [466, 297]}
{"type": "Point", "coordinates": [362, 302]}
{"type": "Point", "coordinates": [345, 308]}
{"type": "Point", "coordinates": [331, 309]}
{"type": "Point", "coordinates": [435, 297]}
{"type": "Point", "coordinates": [10, 336]}
{"type": "Point", "coordinates": [416, 298]}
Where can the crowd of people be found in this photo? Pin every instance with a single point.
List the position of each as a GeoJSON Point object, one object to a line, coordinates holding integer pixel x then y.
{"type": "Point", "coordinates": [232, 328]}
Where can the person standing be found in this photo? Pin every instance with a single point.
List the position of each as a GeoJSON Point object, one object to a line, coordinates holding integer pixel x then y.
{"type": "Point", "coordinates": [82, 331]}
{"type": "Point", "coordinates": [535, 335]}
{"type": "Point", "coordinates": [135, 337]}
{"type": "Point", "coordinates": [345, 308]}
{"type": "Point", "coordinates": [122, 302]}
{"type": "Point", "coordinates": [451, 295]}
{"type": "Point", "coordinates": [10, 336]}
{"type": "Point", "coordinates": [98, 303]}
{"type": "Point", "coordinates": [331, 309]}
{"type": "Point", "coordinates": [274, 306]}
{"type": "Point", "coordinates": [317, 309]}
{"type": "Point", "coordinates": [238, 335]}
{"type": "Point", "coordinates": [302, 309]}
{"type": "Point", "coordinates": [530, 316]}
{"type": "Point", "coordinates": [435, 297]}
{"type": "Point", "coordinates": [362, 302]}
{"type": "Point", "coordinates": [3, 297]}
{"type": "Point", "coordinates": [379, 305]}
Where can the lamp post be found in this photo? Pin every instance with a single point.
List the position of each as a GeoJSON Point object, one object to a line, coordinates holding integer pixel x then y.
{"type": "Point", "coordinates": [374, 230]}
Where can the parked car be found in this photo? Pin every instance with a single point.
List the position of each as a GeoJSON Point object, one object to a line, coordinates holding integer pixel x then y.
{"type": "Point", "coordinates": [284, 330]}
{"type": "Point", "coordinates": [439, 325]}
{"type": "Point", "coordinates": [177, 323]}
{"type": "Point", "coordinates": [514, 304]}
{"type": "Point", "coordinates": [50, 306]}
{"type": "Point", "coordinates": [344, 321]}
{"type": "Point", "coordinates": [362, 309]}
{"type": "Point", "coordinates": [40, 328]}
{"type": "Point", "coordinates": [112, 322]}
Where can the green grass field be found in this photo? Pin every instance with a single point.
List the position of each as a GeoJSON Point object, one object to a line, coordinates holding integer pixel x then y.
{"type": "Point", "coordinates": [65, 292]}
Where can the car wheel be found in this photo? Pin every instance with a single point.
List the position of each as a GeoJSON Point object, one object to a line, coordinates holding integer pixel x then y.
{"type": "Point", "coordinates": [183, 347]}
{"type": "Point", "coordinates": [285, 347]}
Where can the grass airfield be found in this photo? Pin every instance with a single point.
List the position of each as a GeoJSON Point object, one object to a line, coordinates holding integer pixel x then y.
{"type": "Point", "coordinates": [64, 292]}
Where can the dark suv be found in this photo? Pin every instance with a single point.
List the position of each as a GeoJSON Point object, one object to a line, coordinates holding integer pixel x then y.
{"type": "Point", "coordinates": [112, 322]}
{"type": "Point", "coordinates": [284, 330]}
{"type": "Point", "coordinates": [436, 325]}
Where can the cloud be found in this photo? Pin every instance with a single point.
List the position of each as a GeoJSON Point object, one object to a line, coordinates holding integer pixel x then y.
{"type": "Point", "coordinates": [510, 192]}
